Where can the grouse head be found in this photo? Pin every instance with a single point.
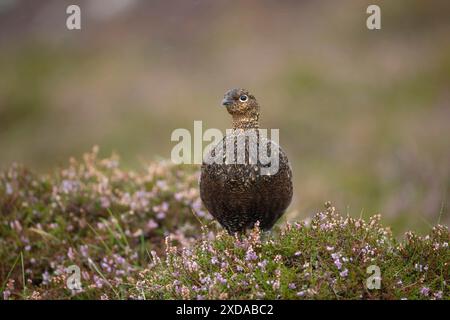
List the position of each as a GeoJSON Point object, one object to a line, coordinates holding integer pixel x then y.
{"type": "Point", "coordinates": [243, 108]}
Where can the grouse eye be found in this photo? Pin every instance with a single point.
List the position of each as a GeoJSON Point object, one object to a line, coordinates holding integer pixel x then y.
{"type": "Point", "coordinates": [243, 98]}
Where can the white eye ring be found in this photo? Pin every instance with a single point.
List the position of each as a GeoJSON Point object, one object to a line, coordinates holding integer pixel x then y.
{"type": "Point", "coordinates": [243, 98]}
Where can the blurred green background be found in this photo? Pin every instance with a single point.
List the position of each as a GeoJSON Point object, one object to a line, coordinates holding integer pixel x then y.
{"type": "Point", "coordinates": [363, 115]}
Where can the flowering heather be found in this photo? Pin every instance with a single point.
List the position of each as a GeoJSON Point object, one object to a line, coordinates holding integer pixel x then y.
{"type": "Point", "coordinates": [94, 215]}
{"type": "Point", "coordinates": [146, 235]}
{"type": "Point", "coordinates": [326, 260]}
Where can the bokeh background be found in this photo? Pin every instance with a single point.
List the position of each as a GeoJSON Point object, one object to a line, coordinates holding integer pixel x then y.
{"type": "Point", "coordinates": [364, 116]}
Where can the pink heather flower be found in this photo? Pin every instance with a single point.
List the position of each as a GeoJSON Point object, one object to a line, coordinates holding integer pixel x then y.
{"type": "Point", "coordinates": [9, 190]}
{"type": "Point", "coordinates": [438, 295]}
{"type": "Point", "coordinates": [85, 275]}
{"type": "Point", "coordinates": [425, 291]}
{"type": "Point", "coordinates": [176, 282]}
{"type": "Point", "coordinates": [70, 254]}
{"type": "Point", "coordinates": [16, 225]}
{"type": "Point", "coordinates": [335, 256]}
{"type": "Point", "coordinates": [292, 286]}
{"type": "Point", "coordinates": [201, 213]}
{"type": "Point", "coordinates": [276, 284]}
{"type": "Point", "coordinates": [120, 259]}
{"type": "Point", "coordinates": [338, 264]}
{"type": "Point", "coordinates": [164, 206]}
{"type": "Point", "coordinates": [98, 282]}
{"type": "Point", "coordinates": [100, 225]}
{"type": "Point", "coordinates": [197, 205]}
{"type": "Point", "coordinates": [214, 260]}
{"type": "Point", "coordinates": [262, 264]}
{"type": "Point", "coordinates": [161, 184]}
{"type": "Point", "coordinates": [120, 272]}
{"type": "Point", "coordinates": [45, 278]}
{"type": "Point", "coordinates": [6, 294]}
{"type": "Point", "coordinates": [344, 273]}
{"type": "Point", "coordinates": [330, 248]}
{"type": "Point", "coordinates": [152, 224]}
{"type": "Point", "coordinates": [104, 202]}
{"type": "Point", "coordinates": [160, 215]}
{"type": "Point", "coordinates": [297, 253]}
{"type": "Point", "coordinates": [250, 255]}
{"type": "Point", "coordinates": [178, 196]}
{"type": "Point", "coordinates": [106, 266]}
{"type": "Point", "coordinates": [84, 250]}
{"type": "Point", "coordinates": [221, 279]}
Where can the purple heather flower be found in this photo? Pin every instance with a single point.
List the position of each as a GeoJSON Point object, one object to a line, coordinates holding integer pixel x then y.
{"type": "Point", "coordinates": [104, 202]}
{"type": "Point", "coordinates": [45, 278]}
{"type": "Point", "coordinates": [106, 266]}
{"type": "Point", "coordinates": [164, 206]}
{"type": "Point", "coordinates": [120, 259]}
{"type": "Point", "coordinates": [338, 264]}
{"type": "Point", "coordinates": [68, 186]}
{"type": "Point", "coordinates": [201, 213]}
{"type": "Point", "coordinates": [250, 255]}
{"type": "Point", "coordinates": [16, 225]}
{"type": "Point", "coordinates": [161, 184]}
{"type": "Point", "coordinates": [220, 278]}
{"type": "Point", "coordinates": [178, 196]}
{"type": "Point", "coordinates": [70, 254]}
{"type": "Point", "coordinates": [262, 264]}
{"type": "Point", "coordinates": [425, 291]}
{"type": "Point", "coordinates": [160, 215]}
{"type": "Point", "coordinates": [84, 250]}
{"type": "Point", "coordinates": [292, 286]}
{"type": "Point", "coordinates": [344, 273]}
{"type": "Point", "coordinates": [152, 224]}
{"type": "Point", "coordinates": [9, 190]}
{"type": "Point", "coordinates": [6, 294]}
{"type": "Point", "coordinates": [214, 260]}
{"type": "Point", "coordinates": [98, 282]}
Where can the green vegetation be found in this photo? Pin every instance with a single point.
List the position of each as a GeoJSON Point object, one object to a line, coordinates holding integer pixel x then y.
{"type": "Point", "coordinates": [145, 235]}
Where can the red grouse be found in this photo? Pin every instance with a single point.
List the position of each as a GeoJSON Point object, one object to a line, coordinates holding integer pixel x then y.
{"type": "Point", "coordinates": [239, 191]}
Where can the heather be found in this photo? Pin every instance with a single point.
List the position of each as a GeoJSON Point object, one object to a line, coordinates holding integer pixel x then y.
{"type": "Point", "coordinates": [145, 235]}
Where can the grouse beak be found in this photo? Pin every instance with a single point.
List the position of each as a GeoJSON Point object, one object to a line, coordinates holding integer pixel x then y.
{"type": "Point", "coordinates": [227, 102]}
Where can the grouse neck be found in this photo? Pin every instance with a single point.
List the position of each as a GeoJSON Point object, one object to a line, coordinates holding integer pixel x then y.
{"type": "Point", "coordinates": [245, 122]}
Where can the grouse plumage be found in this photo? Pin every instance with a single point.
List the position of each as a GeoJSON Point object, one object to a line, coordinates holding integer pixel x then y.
{"type": "Point", "coordinates": [241, 192]}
